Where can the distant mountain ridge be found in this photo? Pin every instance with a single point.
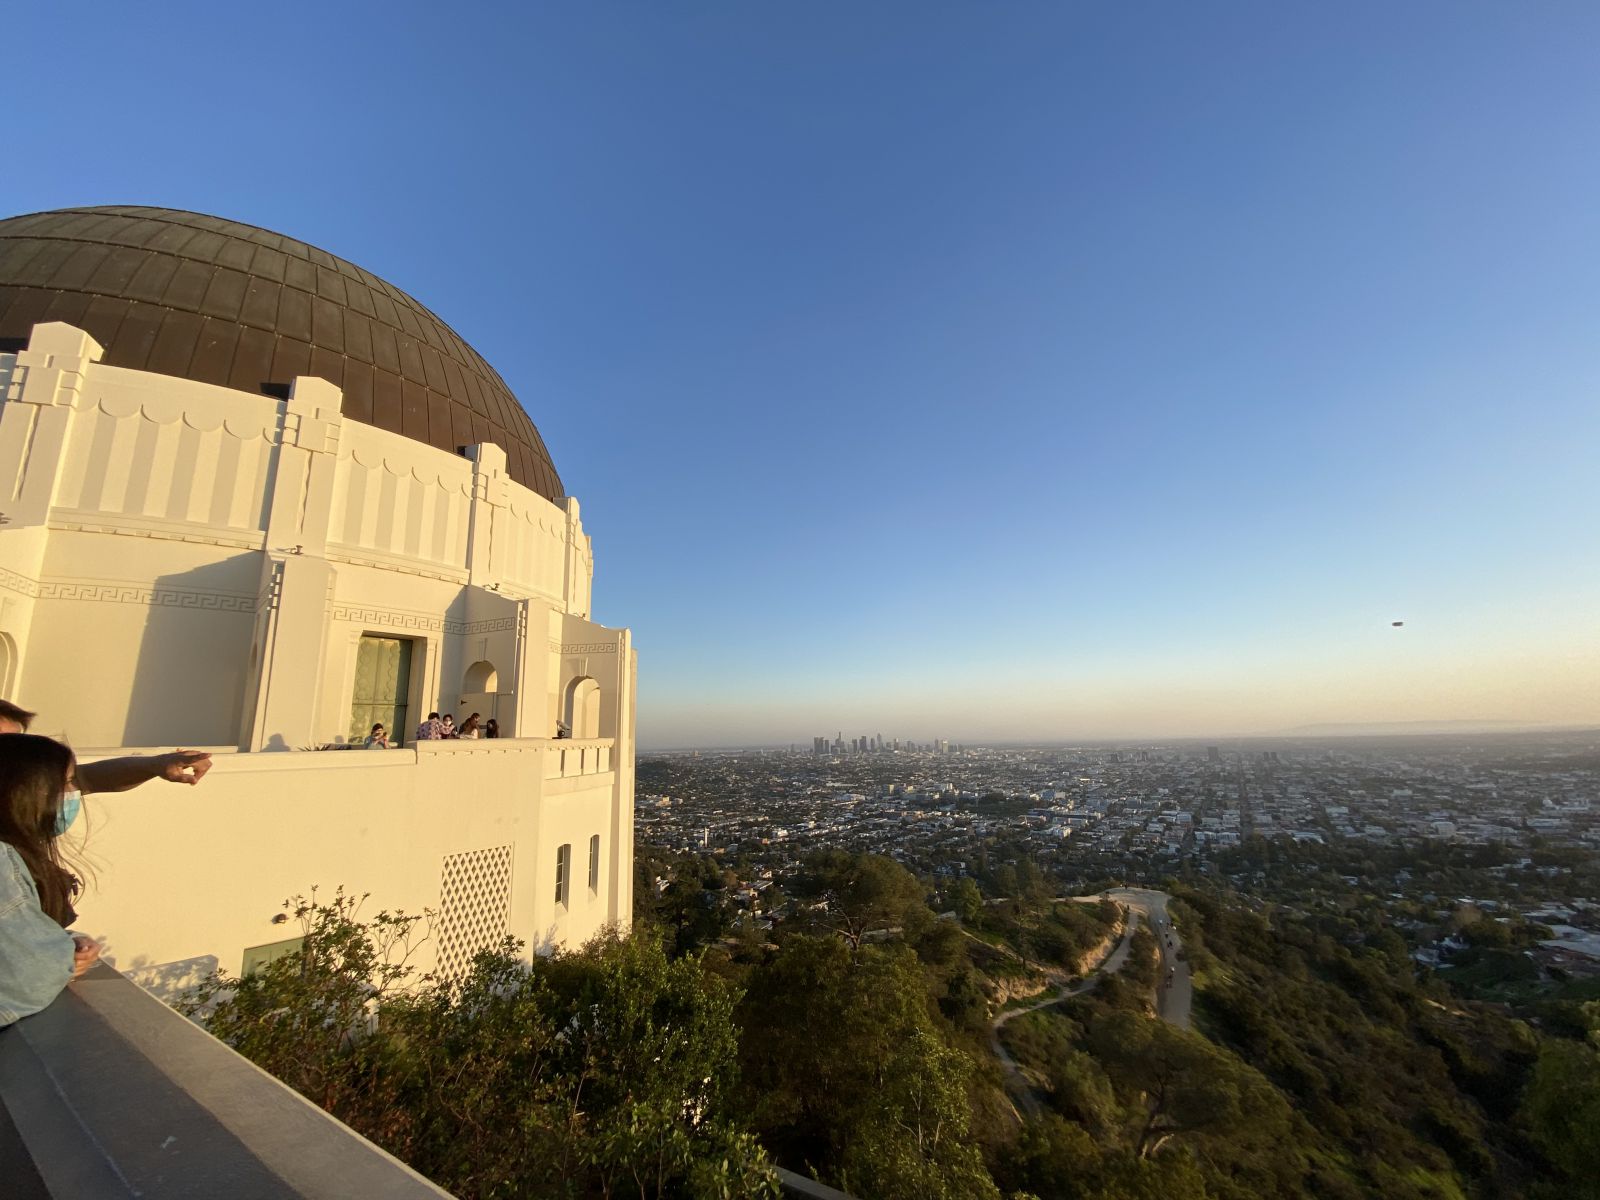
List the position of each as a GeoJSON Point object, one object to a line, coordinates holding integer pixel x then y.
{"type": "Point", "coordinates": [1380, 728]}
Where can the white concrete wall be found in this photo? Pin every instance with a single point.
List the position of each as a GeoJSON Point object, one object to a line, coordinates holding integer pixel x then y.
{"type": "Point", "coordinates": [183, 564]}
{"type": "Point", "coordinates": [185, 875]}
{"type": "Point", "coordinates": [149, 451]}
{"type": "Point", "coordinates": [402, 503]}
{"type": "Point", "coordinates": [148, 522]}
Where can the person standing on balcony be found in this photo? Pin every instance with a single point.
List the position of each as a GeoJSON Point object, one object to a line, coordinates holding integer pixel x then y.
{"type": "Point", "coordinates": [430, 730]}
{"type": "Point", "coordinates": [39, 801]}
{"type": "Point", "coordinates": [492, 729]}
{"type": "Point", "coordinates": [469, 727]}
{"type": "Point", "coordinates": [378, 739]}
{"type": "Point", "coordinates": [120, 774]}
{"type": "Point", "coordinates": [448, 727]}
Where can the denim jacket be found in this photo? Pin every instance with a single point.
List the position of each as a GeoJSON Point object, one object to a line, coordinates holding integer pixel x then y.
{"type": "Point", "coordinates": [36, 954]}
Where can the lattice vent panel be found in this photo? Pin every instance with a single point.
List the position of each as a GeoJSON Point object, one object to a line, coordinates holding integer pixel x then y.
{"type": "Point", "coordinates": [474, 901]}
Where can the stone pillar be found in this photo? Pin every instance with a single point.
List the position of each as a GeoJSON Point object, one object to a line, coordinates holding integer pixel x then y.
{"type": "Point", "coordinates": [291, 655]}
{"type": "Point", "coordinates": [490, 495]}
{"type": "Point", "coordinates": [622, 795]}
{"type": "Point", "coordinates": [45, 386]}
{"type": "Point", "coordinates": [530, 673]}
{"type": "Point", "coordinates": [42, 387]}
{"type": "Point", "coordinates": [578, 575]}
{"type": "Point", "coordinates": [297, 581]}
{"type": "Point", "coordinates": [305, 468]}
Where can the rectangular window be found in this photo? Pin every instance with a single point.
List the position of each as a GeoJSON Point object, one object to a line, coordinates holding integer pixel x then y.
{"type": "Point", "coordinates": [594, 863]}
{"type": "Point", "coordinates": [563, 873]}
{"type": "Point", "coordinates": [256, 957]}
{"type": "Point", "coordinates": [383, 683]}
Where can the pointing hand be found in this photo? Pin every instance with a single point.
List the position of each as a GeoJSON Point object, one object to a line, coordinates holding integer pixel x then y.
{"type": "Point", "coordinates": [185, 766]}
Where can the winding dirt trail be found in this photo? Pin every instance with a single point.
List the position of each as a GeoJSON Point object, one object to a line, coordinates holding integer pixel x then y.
{"type": "Point", "coordinates": [1174, 986]}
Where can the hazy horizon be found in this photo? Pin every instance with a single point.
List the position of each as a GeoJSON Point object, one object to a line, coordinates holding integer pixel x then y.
{"type": "Point", "coordinates": [1401, 731]}
{"type": "Point", "coordinates": [972, 371]}
{"type": "Point", "coordinates": [1347, 731]}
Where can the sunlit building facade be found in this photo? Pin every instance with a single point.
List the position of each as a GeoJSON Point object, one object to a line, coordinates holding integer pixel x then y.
{"type": "Point", "coordinates": [254, 499]}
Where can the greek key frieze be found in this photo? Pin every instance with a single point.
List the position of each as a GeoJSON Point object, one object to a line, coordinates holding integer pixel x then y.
{"type": "Point", "coordinates": [394, 619]}
{"type": "Point", "coordinates": [155, 597]}
{"type": "Point", "coordinates": [494, 626]}
{"type": "Point", "coordinates": [425, 622]}
{"type": "Point", "coordinates": [18, 583]}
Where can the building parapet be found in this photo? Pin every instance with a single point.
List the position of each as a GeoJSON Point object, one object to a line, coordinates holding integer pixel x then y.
{"type": "Point", "coordinates": [565, 758]}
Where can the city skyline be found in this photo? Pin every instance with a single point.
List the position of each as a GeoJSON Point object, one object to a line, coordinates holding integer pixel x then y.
{"type": "Point", "coordinates": [1045, 372]}
{"type": "Point", "coordinates": [1232, 742]}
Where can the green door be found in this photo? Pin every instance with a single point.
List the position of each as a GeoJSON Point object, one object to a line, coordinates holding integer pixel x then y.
{"type": "Point", "coordinates": [383, 681]}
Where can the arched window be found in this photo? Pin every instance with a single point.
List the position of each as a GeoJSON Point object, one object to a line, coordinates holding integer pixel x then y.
{"type": "Point", "coordinates": [583, 708]}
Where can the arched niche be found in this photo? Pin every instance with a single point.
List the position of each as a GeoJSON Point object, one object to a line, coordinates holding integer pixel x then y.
{"type": "Point", "coordinates": [480, 677]}
{"type": "Point", "coordinates": [8, 664]}
{"type": "Point", "coordinates": [480, 686]}
{"type": "Point", "coordinates": [582, 707]}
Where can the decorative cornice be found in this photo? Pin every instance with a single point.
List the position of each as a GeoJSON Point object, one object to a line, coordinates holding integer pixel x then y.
{"type": "Point", "coordinates": [384, 561]}
{"type": "Point", "coordinates": [199, 535]}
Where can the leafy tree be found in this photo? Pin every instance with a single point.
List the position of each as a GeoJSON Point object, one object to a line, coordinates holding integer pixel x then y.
{"type": "Point", "coordinates": [694, 906]}
{"type": "Point", "coordinates": [845, 1070]}
{"type": "Point", "coordinates": [964, 1002]}
{"type": "Point", "coordinates": [1562, 1109]}
{"type": "Point", "coordinates": [859, 893]}
{"type": "Point", "coordinates": [967, 900]}
{"type": "Point", "coordinates": [912, 1144]}
{"type": "Point", "coordinates": [1184, 1086]}
{"type": "Point", "coordinates": [1397, 1092]}
{"type": "Point", "coordinates": [301, 1016]}
{"type": "Point", "coordinates": [1006, 883]}
{"type": "Point", "coordinates": [1055, 1159]}
{"type": "Point", "coordinates": [591, 1074]}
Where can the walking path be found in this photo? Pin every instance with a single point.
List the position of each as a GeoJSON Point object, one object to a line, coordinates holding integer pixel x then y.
{"type": "Point", "coordinates": [1174, 981]}
{"type": "Point", "coordinates": [1174, 986]}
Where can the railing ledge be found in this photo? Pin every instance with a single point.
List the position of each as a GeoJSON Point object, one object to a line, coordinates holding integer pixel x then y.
{"type": "Point", "coordinates": [108, 1093]}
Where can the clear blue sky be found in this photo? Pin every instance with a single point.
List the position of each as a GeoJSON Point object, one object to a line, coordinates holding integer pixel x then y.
{"type": "Point", "coordinates": [973, 370]}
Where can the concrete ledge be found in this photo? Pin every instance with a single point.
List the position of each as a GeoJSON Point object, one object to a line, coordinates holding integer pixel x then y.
{"type": "Point", "coordinates": [808, 1189]}
{"type": "Point", "coordinates": [108, 1093]}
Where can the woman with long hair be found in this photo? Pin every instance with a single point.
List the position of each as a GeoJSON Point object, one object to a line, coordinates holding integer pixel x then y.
{"type": "Point", "coordinates": [39, 801]}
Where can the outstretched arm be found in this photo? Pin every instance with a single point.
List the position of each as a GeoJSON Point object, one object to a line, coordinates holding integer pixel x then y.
{"type": "Point", "coordinates": [120, 774]}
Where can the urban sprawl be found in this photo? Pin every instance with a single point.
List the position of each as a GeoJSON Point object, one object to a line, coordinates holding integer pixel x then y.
{"type": "Point", "coordinates": [1515, 807]}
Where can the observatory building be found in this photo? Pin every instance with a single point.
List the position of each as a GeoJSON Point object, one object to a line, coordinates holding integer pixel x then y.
{"type": "Point", "coordinates": [254, 499]}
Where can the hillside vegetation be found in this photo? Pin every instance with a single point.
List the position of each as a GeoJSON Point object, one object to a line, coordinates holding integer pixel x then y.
{"type": "Point", "coordinates": [687, 1058]}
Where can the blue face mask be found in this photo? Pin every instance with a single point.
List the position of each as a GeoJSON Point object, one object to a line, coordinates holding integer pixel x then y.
{"type": "Point", "coordinates": [70, 804]}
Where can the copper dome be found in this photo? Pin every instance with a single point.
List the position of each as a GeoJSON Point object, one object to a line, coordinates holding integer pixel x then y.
{"type": "Point", "coordinates": [181, 293]}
